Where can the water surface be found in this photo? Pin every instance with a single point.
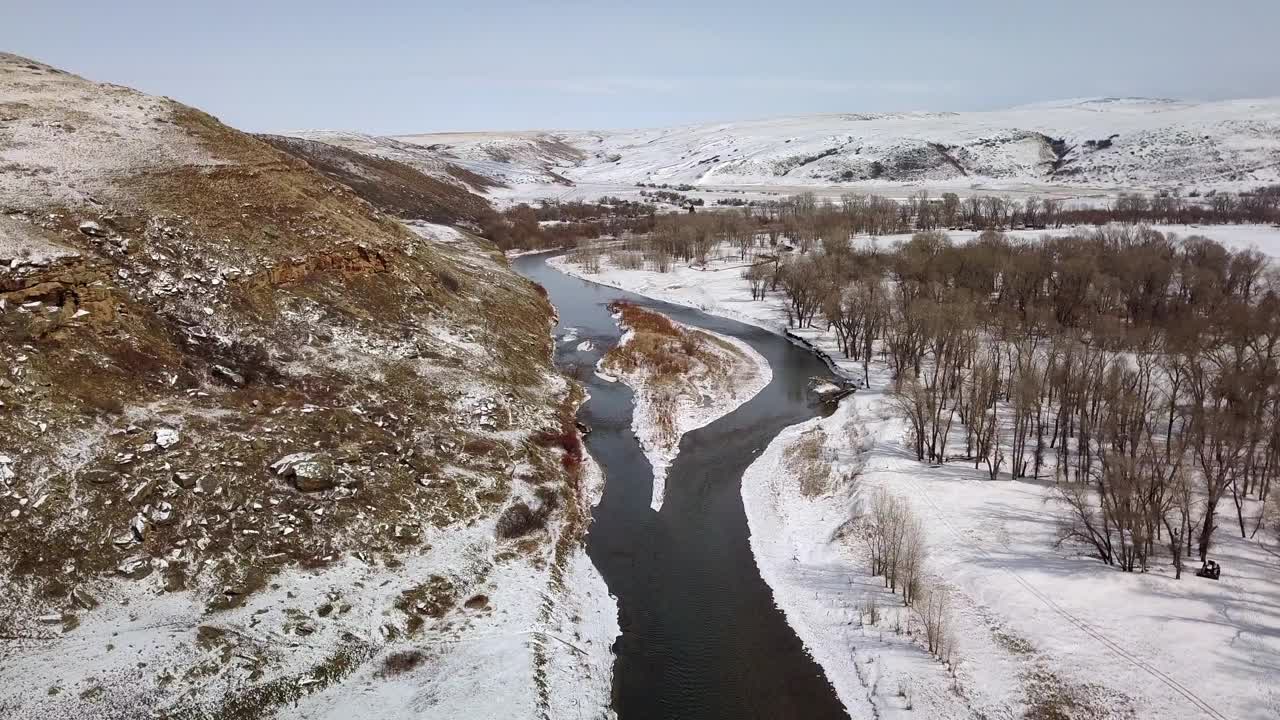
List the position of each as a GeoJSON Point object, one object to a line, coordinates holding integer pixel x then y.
{"type": "Point", "coordinates": [701, 637]}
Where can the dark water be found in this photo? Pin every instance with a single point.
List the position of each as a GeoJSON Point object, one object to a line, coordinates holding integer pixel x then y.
{"type": "Point", "coordinates": [701, 637]}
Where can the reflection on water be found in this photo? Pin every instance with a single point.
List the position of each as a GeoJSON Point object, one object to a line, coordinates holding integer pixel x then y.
{"type": "Point", "coordinates": [701, 637]}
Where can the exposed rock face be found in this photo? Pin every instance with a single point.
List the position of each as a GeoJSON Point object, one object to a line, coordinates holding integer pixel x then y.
{"type": "Point", "coordinates": [226, 376]}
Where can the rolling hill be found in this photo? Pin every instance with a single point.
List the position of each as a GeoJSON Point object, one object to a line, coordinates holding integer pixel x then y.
{"type": "Point", "coordinates": [1104, 143]}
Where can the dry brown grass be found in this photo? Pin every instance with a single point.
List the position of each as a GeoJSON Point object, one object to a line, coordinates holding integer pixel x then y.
{"type": "Point", "coordinates": [393, 187]}
{"type": "Point", "coordinates": [398, 663]}
{"type": "Point", "coordinates": [807, 459]}
{"type": "Point", "coordinates": [431, 599]}
{"type": "Point", "coordinates": [663, 406]}
{"type": "Point", "coordinates": [665, 352]}
{"type": "Point", "coordinates": [1051, 697]}
{"type": "Point", "coordinates": [671, 359]}
{"type": "Point", "coordinates": [254, 701]}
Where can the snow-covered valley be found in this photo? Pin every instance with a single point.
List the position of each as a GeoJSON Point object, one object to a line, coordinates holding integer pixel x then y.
{"type": "Point", "coordinates": [291, 427]}
{"type": "Point", "coordinates": [1083, 149]}
{"type": "Point", "coordinates": [1039, 626]}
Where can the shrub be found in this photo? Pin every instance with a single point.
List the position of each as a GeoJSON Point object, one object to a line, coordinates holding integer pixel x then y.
{"type": "Point", "coordinates": [805, 457]}
{"type": "Point", "coordinates": [449, 281]}
{"type": "Point", "coordinates": [519, 520]}
{"type": "Point", "coordinates": [568, 440]}
{"type": "Point", "coordinates": [627, 259]}
{"type": "Point", "coordinates": [402, 662]}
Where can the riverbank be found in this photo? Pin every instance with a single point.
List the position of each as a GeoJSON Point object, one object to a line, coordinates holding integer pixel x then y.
{"type": "Point", "coordinates": [684, 378]}
{"type": "Point", "coordinates": [1040, 626]}
{"type": "Point", "coordinates": [702, 635]}
{"type": "Point", "coordinates": [803, 497]}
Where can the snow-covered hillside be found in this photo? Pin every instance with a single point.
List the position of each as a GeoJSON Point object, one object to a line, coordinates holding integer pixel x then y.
{"type": "Point", "coordinates": [1069, 146]}
{"type": "Point", "coordinates": [478, 160]}
{"type": "Point", "coordinates": [265, 451]}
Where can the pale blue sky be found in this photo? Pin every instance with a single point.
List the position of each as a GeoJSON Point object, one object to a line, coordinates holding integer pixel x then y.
{"type": "Point", "coordinates": [397, 67]}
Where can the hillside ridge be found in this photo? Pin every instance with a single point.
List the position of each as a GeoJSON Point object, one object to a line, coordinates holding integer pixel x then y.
{"type": "Point", "coordinates": [1117, 143]}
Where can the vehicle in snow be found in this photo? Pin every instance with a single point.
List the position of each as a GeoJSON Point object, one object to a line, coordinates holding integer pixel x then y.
{"type": "Point", "coordinates": [1210, 569]}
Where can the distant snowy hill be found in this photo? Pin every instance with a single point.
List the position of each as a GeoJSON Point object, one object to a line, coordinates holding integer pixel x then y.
{"type": "Point", "coordinates": [474, 160]}
{"type": "Point", "coordinates": [1106, 143]}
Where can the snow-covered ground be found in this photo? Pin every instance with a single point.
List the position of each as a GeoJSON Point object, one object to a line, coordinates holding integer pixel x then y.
{"type": "Point", "coordinates": [1082, 150]}
{"type": "Point", "coordinates": [808, 553]}
{"type": "Point", "coordinates": [479, 665]}
{"type": "Point", "coordinates": [515, 625]}
{"type": "Point", "coordinates": [61, 160]}
{"type": "Point", "coordinates": [701, 398]}
{"type": "Point", "coordinates": [1066, 149]}
{"type": "Point", "coordinates": [481, 669]}
{"type": "Point", "coordinates": [718, 289]}
{"type": "Point", "coordinates": [1034, 622]}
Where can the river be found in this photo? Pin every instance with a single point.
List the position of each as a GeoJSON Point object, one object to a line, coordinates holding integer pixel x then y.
{"type": "Point", "coordinates": [701, 636]}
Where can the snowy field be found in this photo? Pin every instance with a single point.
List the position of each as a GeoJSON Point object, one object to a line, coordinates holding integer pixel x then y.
{"type": "Point", "coordinates": [1034, 622]}
{"type": "Point", "coordinates": [1073, 149]}
{"type": "Point", "coordinates": [1082, 151]}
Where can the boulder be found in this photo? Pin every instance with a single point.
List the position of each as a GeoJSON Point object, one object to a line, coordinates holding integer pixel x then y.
{"type": "Point", "coordinates": [162, 514]}
{"type": "Point", "coordinates": [92, 229]}
{"type": "Point", "coordinates": [138, 526]}
{"type": "Point", "coordinates": [175, 578]}
{"type": "Point", "coordinates": [143, 491]}
{"type": "Point", "coordinates": [98, 476]}
{"type": "Point", "coordinates": [166, 437]}
{"type": "Point", "coordinates": [83, 599]}
{"type": "Point", "coordinates": [309, 471]}
{"type": "Point", "coordinates": [135, 567]}
{"type": "Point", "coordinates": [227, 374]}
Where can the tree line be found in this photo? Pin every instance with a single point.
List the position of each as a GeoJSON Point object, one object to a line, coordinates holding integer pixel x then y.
{"type": "Point", "coordinates": [1136, 369]}
{"type": "Point", "coordinates": [806, 221]}
{"type": "Point", "coordinates": [554, 224]}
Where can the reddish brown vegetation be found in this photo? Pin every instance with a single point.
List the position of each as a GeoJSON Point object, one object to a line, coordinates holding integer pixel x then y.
{"type": "Point", "coordinates": [566, 436]}
{"type": "Point", "coordinates": [658, 346]}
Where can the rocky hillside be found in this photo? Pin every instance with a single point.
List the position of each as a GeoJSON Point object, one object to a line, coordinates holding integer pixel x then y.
{"type": "Point", "coordinates": [259, 441]}
{"type": "Point", "coordinates": [393, 187]}
{"type": "Point", "coordinates": [487, 162]}
{"type": "Point", "coordinates": [434, 159]}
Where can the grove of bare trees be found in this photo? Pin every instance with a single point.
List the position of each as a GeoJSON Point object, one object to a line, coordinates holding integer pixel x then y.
{"type": "Point", "coordinates": [894, 539]}
{"type": "Point", "coordinates": [1134, 369]}
{"type": "Point", "coordinates": [803, 221]}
